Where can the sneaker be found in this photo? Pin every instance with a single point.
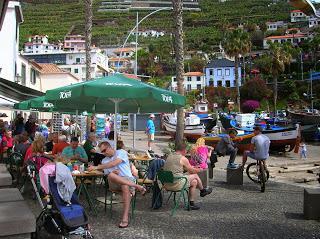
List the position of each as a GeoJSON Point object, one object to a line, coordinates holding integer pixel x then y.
{"type": "Point", "coordinates": [151, 151]}
{"type": "Point", "coordinates": [194, 207]}
{"type": "Point", "coordinates": [205, 192]}
{"type": "Point", "coordinates": [232, 166]}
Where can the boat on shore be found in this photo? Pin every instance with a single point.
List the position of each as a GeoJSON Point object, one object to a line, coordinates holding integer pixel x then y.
{"type": "Point", "coordinates": [283, 139]}
{"type": "Point", "coordinates": [309, 121]}
{"type": "Point", "coordinates": [243, 140]}
{"type": "Point", "coordinates": [304, 117]}
{"type": "Point", "coordinates": [193, 128]}
{"type": "Point", "coordinates": [202, 111]}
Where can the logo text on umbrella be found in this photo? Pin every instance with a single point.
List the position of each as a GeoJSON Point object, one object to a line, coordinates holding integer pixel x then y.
{"type": "Point", "coordinates": [119, 84]}
{"type": "Point", "coordinates": [166, 98]}
{"type": "Point", "coordinates": [65, 94]}
{"type": "Point", "coordinates": [47, 105]}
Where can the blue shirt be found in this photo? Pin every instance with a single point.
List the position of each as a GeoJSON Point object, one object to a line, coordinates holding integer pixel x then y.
{"type": "Point", "coordinates": [68, 152]}
{"type": "Point", "coordinates": [150, 127]}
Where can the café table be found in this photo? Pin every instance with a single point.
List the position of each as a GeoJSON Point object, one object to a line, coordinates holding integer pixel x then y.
{"type": "Point", "coordinates": [83, 176]}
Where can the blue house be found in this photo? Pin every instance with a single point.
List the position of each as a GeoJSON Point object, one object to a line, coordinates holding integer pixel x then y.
{"type": "Point", "coordinates": [221, 72]}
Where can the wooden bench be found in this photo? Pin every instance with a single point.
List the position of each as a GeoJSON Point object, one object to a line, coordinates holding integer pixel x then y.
{"type": "Point", "coordinates": [311, 204]}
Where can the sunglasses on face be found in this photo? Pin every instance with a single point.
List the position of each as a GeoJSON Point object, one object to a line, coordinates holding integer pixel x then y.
{"type": "Point", "coordinates": [103, 151]}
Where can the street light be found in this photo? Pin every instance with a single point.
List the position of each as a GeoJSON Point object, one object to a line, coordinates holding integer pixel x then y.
{"type": "Point", "coordinates": [136, 56]}
{"type": "Point", "coordinates": [305, 6]}
{"type": "Point", "coordinates": [136, 27]}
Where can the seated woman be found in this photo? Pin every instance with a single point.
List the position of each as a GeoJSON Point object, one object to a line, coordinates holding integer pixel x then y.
{"type": "Point", "coordinates": [116, 165]}
{"type": "Point", "coordinates": [52, 140]}
{"type": "Point", "coordinates": [200, 154]}
{"type": "Point", "coordinates": [7, 142]}
{"type": "Point", "coordinates": [22, 144]}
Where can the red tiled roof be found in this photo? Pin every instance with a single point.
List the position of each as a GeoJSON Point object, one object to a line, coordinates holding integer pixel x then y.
{"type": "Point", "coordinates": [195, 73]}
{"type": "Point", "coordinates": [49, 68]}
{"type": "Point", "coordinates": [131, 76]}
{"type": "Point", "coordinates": [118, 59]}
{"type": "Point", "coordinates": [287, 36]}
{"type": "Point", "coordinates": [296, 11]}
{"type": "Point", "coordinates": [124, 49]}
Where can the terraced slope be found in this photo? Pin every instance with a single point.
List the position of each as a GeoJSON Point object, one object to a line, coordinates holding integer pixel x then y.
{"type": "Point", "coordinates": [202, 29]}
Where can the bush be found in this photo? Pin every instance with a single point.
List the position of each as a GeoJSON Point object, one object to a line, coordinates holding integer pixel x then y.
{"type": "Point", "coordinates": [250, 106]}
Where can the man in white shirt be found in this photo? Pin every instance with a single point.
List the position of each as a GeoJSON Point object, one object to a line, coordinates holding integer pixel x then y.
{"type": "Point", "coordinates": [116, 165]}
{"type": "Point", "coordinates": [259, 148]}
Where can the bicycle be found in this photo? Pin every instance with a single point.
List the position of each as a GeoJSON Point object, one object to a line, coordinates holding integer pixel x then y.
{"type": "Point", "coordinates": [258, 174]}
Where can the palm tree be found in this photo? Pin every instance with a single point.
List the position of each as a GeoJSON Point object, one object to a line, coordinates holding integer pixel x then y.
{"type": "Point", "coordinates": [88, 36]}
{"type": "Point", "coordinates": [179, 55]}
{"type": "Point", "coordinates": [237, 43]}
{"type": "Point", "coordinates": [280, 56]}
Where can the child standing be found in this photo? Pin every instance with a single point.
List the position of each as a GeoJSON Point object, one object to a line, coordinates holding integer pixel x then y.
{"type": "Point", "coordinates": [303, 150]}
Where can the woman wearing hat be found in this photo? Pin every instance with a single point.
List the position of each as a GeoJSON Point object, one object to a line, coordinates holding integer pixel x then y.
{"type": "Point", "coordinates": [150, 130]}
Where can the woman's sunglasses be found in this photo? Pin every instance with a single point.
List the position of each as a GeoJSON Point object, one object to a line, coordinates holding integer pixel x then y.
{"type": "Point", "coordinates": [103, 151]}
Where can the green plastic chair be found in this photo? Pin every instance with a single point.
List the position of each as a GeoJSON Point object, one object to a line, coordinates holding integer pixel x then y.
{"type": "Point", "coordinates": [167, 177]}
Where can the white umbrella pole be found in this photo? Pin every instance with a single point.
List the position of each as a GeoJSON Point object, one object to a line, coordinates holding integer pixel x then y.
{"type": "Point", "coordinates": [134, 130]}
{"type": "Point", "coordinates": [76, 133]}
{"type": "Point", "coordinates": [116, 109]}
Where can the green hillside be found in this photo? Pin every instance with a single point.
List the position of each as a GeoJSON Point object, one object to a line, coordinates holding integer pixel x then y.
{"type": "Point", "coordinates": [202, 29]}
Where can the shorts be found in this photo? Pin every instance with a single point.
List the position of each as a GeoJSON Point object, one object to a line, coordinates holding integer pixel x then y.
{"type": "Point", "coordinates": [117, 187]}
{"type": "Point", "coordinates": [253, 155]}
{"type": "Point", "coordinates": [178, 184]}
{"type": "Point", "coordinates": [150, 137]}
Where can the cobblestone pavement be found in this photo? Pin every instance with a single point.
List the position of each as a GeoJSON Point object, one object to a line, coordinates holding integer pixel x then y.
{"type": "Point", "coordinates": [229, 212]}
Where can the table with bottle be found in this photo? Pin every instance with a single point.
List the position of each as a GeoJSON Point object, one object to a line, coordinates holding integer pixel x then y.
{"type": "Point", "coordinates": [82, 175]}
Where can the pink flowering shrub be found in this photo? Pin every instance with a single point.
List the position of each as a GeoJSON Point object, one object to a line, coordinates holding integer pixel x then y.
{"type": "Point", "coordinates": [250, 106]}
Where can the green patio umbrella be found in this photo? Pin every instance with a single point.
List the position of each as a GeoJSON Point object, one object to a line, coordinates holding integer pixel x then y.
{"type": "Point", "coordinates": [101, 96]}
{"type": "Point", "coordinates": [38, 103]}
{"type": "Point", "coordinates": [115, 94]}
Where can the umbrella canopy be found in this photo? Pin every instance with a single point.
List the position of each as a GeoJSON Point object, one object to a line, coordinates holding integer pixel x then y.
{"type": "Point", "coordinates": [100, 95]}
{"type": "Point", "coordinates": [38, 103]}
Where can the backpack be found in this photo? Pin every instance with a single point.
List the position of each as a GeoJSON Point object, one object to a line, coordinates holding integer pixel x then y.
{"type": "Point", "coordinates": [156, 196]}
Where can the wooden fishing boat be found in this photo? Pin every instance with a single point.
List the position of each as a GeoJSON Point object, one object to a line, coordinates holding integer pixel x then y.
{"type": "Point", "coordinates": [193, 128]}
{"type": "Point", "coordinates": [243, 140]}
{"type": "Point", "coordinates": [282, 138]}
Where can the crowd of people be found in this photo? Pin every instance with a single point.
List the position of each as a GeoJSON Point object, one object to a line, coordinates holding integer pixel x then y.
{"type": "Point", "coordinates": [35, 140]}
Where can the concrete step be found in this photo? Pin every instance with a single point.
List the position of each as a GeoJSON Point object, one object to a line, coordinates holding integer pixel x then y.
{"type": "Point", "coordinates": [13, 215]}
{"type": "Point", "coordinates": [5, 179]}
{"type": "Point", "coordinates": [10, 195]}
{"type": "Point", "coordinates": [3, 168]}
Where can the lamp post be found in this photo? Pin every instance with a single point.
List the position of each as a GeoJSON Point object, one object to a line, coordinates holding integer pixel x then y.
{"type": "Point", "coordinates": [136, 28]}
{"type": "Point", "coordinates": [311, 84]}
{"type": "Point", "coordinates": [306, 6]}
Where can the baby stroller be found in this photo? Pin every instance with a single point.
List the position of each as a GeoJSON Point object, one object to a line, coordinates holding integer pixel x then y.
{"type": "Point", "coordinates": [58, 217]}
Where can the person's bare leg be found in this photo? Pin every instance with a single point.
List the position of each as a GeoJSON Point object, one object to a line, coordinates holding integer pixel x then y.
{"type": "Point", "coordinates": [244, 158]}
{"type": "Point", "coordinates": [196, 178]}
{"type": "Point", "coordinates": [192, 190]}
{"type": "Point", "coordinates": [126, 197]}
{"type": "Point", "coordinates": [122, 181]}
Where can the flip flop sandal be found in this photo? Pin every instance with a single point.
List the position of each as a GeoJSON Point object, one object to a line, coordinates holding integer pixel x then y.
{"type": "Point", "coordinates": [123, 226]}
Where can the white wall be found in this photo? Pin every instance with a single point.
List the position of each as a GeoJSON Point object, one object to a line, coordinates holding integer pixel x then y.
{"type": "Point", "coordinates": [22, 61]}
{"type": "Point", "coordinates": [51, 81]}
{"type": "Point", "coordinates": [9, 40]}
{"type": "Point", "coordinates": [192, 84]}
